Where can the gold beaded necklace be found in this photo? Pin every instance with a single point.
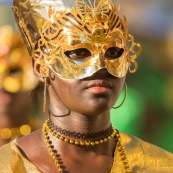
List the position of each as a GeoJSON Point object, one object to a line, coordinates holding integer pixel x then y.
{"type": "Point", "coordinates": [78, 142]}
{"type": "Point", "coordinates": [58, 164]}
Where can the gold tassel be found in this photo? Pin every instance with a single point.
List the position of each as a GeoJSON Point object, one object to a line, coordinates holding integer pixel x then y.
{"type": "Point", "coordinates": [45, 99]}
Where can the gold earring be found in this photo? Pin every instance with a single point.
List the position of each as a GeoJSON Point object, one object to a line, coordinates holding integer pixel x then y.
{"type": "Point", "coordinates": [44, 71]}
{"type": "Point", "coordinates": [123, 98]}
{"type": "Point", "coordinates": [44, 97]}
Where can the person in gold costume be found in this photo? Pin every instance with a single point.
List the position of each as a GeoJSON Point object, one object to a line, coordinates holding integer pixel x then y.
{"type": "Point", "coordinates": [82, 51]}
{"type": "Point", "coordinates": [16, 81]}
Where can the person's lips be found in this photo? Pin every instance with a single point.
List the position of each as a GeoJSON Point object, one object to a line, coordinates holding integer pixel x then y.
{"type": "Point", "coordinates": [99, 87]}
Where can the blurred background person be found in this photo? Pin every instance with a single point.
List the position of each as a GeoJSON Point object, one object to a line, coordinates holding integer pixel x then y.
{"type": "Point", "coordinates": [17, 117]}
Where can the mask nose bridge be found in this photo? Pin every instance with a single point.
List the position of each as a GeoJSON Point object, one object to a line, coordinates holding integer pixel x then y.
{"type": "Point", "coordinates": [101, 58]}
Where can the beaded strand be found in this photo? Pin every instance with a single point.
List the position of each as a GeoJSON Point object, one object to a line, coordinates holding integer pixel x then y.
{"type": "Point", "coordinates": [79, 142]}
{"type": "Point", "coordinates": [122, 154]}
{"type": "Point", "coordinates": [51, 149]}
{"type": "Point", "coordinates": [58, 164]}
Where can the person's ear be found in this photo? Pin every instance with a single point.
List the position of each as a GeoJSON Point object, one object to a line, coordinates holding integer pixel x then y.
{"type": "Point", "coordinates": [36, 69]}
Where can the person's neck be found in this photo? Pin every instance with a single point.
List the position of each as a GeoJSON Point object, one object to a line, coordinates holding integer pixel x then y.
{"type": "Point", "coordinates": [79, 123]}
{"type": "Point", "coordinates": [82, 123]}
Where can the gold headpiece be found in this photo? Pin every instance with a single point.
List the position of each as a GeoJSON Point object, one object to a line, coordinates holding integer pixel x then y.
{"type": "Point", "coordinates": [16, 73]}
{"type": "Point", "coordinates": [76, 38]}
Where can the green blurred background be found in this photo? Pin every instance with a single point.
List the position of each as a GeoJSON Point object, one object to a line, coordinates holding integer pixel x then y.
{"type": "Point", "coordinates": [148, 109]}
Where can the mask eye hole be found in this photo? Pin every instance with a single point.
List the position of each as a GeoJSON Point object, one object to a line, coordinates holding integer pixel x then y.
{"type": "Point", "coordinates": [81, 54]}
{"type": "Point", "coordinates": [113, 53]}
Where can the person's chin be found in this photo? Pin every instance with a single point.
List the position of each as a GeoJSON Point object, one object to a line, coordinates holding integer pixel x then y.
{"type": "Point", "coordinates": [97, 109]}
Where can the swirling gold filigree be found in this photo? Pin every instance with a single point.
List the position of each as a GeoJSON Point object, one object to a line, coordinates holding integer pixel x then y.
{"type": "Point", "coordinates": [90, 24]}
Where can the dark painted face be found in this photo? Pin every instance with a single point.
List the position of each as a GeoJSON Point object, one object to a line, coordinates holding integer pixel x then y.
{"type": "Point", "coordinates": [89, 96]}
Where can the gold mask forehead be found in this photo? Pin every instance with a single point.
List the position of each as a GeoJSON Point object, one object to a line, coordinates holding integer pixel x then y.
{"type": "Point", "coordinates": [32, 14]}
{"type": "Point", "coordinates": [86, 24]}
{"type": "Point", "coordinates": [46, 25]}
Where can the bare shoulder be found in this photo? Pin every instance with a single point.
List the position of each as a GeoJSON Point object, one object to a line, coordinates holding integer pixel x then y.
{"type": "Point", "coordinates": [34, 149]}
{"type": "Point", "coordinates": [31, 145]}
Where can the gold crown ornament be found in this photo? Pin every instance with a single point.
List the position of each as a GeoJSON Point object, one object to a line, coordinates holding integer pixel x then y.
{"type": "Point", "coordinates": [77, 38]}
{"type": "Point", "coordinates": [16, 73]}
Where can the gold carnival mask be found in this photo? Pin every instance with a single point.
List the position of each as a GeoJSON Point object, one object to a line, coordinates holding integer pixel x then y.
{"type": "Point", "coordinates": [77, 38]}
{"type": "Point", "coordinates": [16, 73]}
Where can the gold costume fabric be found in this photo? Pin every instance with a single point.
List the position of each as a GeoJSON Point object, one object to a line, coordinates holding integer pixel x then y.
{"type": "Point", "coordinates": [142, 157]}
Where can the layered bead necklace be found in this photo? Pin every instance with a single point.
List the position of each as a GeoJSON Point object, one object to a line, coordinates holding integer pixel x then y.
{"type": "Point", "coordinates": [60, 134]}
